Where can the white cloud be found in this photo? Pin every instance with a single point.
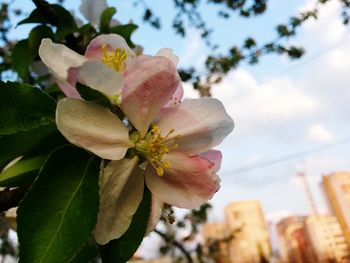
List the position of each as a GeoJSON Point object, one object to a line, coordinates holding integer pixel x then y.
{"type": "Point", "coordinates": [319, 133]}
{"type": "Point", "coordinates": [328, 27]}
{"type": "Point", "coordinates": [193, 54]}
{"type": "Point", "coordinates": [257, 107]}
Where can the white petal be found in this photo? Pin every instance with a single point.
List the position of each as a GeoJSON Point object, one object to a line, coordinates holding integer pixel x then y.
{"type": "Point", "coordinates": [97, 76]}
{"type": "Point", "coordinates": [92, 10]}
{"type": "Point", "coordinates": [92, 127]}
{"type": "Point", "coordinates": [59, 58]}
{"type": "Point", "coordinates": [121, 191]}
{"type": "Point", "coordinates": [201, 123]}
{"type": "Point", "coordinates": [169, 54]}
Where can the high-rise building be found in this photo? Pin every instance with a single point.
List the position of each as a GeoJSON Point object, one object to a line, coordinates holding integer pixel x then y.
{"type": "Point", "coordinates": [216, 240]}
{"type": "Point", "coordinates": [326, 239]}
{"type": "Point", "coordinates": [293, 240]}
{"type": "Point", "coordinates": [246, 224]}
{"type": "Point", "coordinates": [337, 189]}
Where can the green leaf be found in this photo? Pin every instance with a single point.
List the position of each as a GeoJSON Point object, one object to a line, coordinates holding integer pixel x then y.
{"type": "Point", "coordinates": [23, 107]}
{"type": "Point", "coordinates": [65, 24]}
{"type": "Point", "coordinates": [106, 18]}
{"type": "Point", "coordinates": [21, 59]}
{"type": "Point", "coordinates": [87, 253]}
{"type": "Point", "coordinates": [26, 116]}
{"type": "Point", "coordinates": [59, 213]}
{"type": "Point", "coordinates": [125, 31]}
{"type": "Point", "coordinates": [90, 94]}
{"type": "Point", "coordinates": [22, 172]}
{"type": "Point", "coordinates": [122, 249]}
{"type": "Point", "coordinates": [35, 37]}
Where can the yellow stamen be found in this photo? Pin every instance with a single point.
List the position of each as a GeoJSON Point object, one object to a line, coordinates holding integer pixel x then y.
{"type": "Point", "coordinates": [153, 146]}
{"type": "Point", "coordinates": [115, 60]}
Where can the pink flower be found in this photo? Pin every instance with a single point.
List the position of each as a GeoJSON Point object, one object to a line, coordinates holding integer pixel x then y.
{"type": "Point", "coordinates": [102, 67]}
{"type": "Point", "coordinates": [170, 142]}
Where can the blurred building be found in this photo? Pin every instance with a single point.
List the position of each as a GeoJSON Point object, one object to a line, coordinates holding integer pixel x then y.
{"type": "Point", "coordinates": [246, 224]}
{"type": "Point", "coordinates": [216, 241]}
{"type": "Point", "coordinates": [326, 239]}
{"type": "Point", "coordinates": [337, 189]}
{"type": "Point", "coordinates": [294, 243]}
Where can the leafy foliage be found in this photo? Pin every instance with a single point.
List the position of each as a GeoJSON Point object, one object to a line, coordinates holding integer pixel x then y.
{"type": "Point", "coordinates": [51, 229]}
{"type": "Point", "coordinates": [26, 115]}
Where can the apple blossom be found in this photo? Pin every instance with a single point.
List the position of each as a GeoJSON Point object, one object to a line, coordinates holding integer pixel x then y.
{"type": "Point", "coordinates": [169, 142]}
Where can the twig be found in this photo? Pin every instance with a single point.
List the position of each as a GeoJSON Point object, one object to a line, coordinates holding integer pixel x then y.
{"type": "Point", "coordinates": [176, 244]}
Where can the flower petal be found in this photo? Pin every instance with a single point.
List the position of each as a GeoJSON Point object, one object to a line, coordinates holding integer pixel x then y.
{"type": "Point", "coordinates": [176, 97]}
{"type": "Point", "coordinates": [156, 212]}
{"type": "Point", "coordinates": [92, 10]}
{"type": "Point", "coordinates": [97, 76]}
{"type": "Point", "coordinates": [67, 88]}
{"type": "Point", "coordinates": [121, 191]}
{"type": "Point", "coordinates": [190, 182]}
{"type": "Point", "coordinates": [213, 156]}
{"type": "Point", "coordinates": [92, 127]}
{"type": "Point", "coordinates": [135, 63]}
{"type": "Point", "coordinates": [112, 41]}
{"type": "Point", "coordinates": [147, 89]}
{"type": "Point", "coordinates": [59, 58]}
{"type": "Point", "coordinates": [169, 54]}
{"type": "Point", "coordinates": [202, 124]}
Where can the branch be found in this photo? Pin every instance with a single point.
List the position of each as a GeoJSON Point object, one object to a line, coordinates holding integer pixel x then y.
{"type": "Point", "coordinates": [176, 244]}
{"type": "Point", "coordinates": [11, 198]}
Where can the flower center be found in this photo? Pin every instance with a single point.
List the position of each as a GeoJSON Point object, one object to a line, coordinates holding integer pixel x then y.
{"type": "Point", "coordinates": [115, 60]}
{"type": "Point", "coordinates": [153, 146]}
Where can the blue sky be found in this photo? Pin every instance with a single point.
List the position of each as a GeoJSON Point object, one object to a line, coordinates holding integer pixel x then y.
{"type": "Point", "coordinates": [280, 107]}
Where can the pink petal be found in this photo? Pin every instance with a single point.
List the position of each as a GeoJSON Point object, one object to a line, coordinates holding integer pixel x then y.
{"type": "Point", "coordinates": [201, 123]}
{"type": "Point", "coordinates": [176, 97]}
{"type": "Point", "coordinates": [147, 89]}
{"type": "Point", "coordinates": [213, 156]}
{"type": "Point", "coordinates": [168, 53]}
{"type": "Point", "coordinates": [190, 182]}
{"type": "Point", "coordinates": [67, 89]}
{"type": "Point", "coordinates": [156, 212]}
{"type": "Point", "coordinates": [112, 41]}
{"type": "Point", "coordinates": [135, 64]}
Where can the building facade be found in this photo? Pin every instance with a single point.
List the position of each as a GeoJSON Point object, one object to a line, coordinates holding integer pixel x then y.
{"type": "Point", "coordinates": [337, 190]}
{"type": "Point", "coordinates": [293, 240]}
{"type": "Point", "coordinates": [327, 239]}
{"type": "Point", "coordinates": [250, 242]}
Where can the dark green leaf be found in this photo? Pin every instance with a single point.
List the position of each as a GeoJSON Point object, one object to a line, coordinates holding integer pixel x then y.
{"type": "Point", "coordinates": [35, 37]}
{"type": "Point", "coordinates": [23, 107]}
{"type": "Point", "coordinates": [93, 95]}
{"type": "Point", "coordinates": [22, 172]}
{"type": "Point", "coordinates": [105, 19]}
{"type": "Point", "coordinates": [122, 249]}
{"type": "Point", "coordinates": [21, 59]}
{"type": "Point", "coordinates": [59, 213]}
{"type": "Point", "coordinates": [17, 144]}
{"type": "Point", "coordinates": [65, 24]}
{"type": "Point", "coordinates": [26, 116]}
{"type": "Point", "coordinates": [125, 31]}
{"type": "Point", "coordinates": [87, 253]}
